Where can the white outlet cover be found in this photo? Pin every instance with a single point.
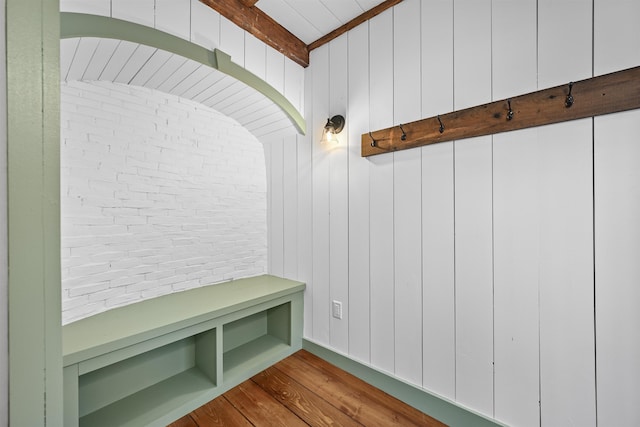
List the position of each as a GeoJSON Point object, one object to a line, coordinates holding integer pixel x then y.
{"type": "Point", "coordinates": [336, 309]}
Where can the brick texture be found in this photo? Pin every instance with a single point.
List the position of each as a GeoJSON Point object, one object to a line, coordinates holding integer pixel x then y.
{"type": "Point", "coordinates": [158, 194]}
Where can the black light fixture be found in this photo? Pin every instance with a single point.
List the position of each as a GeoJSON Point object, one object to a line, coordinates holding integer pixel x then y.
{"type": "Point", "coordinates": [333, 127]}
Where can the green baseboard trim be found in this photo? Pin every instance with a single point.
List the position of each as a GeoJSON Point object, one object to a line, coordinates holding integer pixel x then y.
{"type": "Point", "coordinates": [438, 407]}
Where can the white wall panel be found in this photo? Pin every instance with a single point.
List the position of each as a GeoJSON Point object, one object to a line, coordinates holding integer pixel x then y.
{"type": "Point", "coordinates": [617, 236]}
{"type": "Point", "coordinates": [517, 231]}
{"type": "Point", "coordinates": [290, 207]}
{"type": "Point", "coordinates": [305, 208]}
{"type": "Point", "coordinates": [294, 84]}
{"type": "Point", "coordinates": [437, 57]}
{"type": "Point", "coordinates": [514, 48]}
{"type": "Point", "coordinates": [566, 50]}
{"type": "Point", "coordinates": [232, 40]}
{"type": "Point", "coordinates": [174, 17]}
{"type": "Point", "coordinates": [381, 195]}
{"type": "Point", "coordinates": [438, 310]}
{"type": "Point", "coordinates": [406, 62]}
{"type": "Point", "coordinates": [472, 52]}
{"type": "Point", "coordinates": [474, 273]}
{"type": "Point", "coordinates": [407, 202]}
{"type": "Point", "coordinates": [616, 41]}
{"type": "Point", "coordinates": [205, 25]}
{"type": "Point", "coordinates": [139, 11]}
{"type": "Point", "coordinates": [95, 7]}
{"type": "Point", "coordinates": [359, 217]}
{"type": "Point", "coordinates": [617, 231]}
{"type": "Point", "coordinates": [438, 287]}
{"type": "Point", "coordinates": [473, 212]}
{"type": "Point", "coordinates": [516, 219]}
{"type": "Point", "coordinates": [269, 171]}
{"type": "Point", "coordinates": [321, 220]}
{"type": "Point", "coordinates": [567, 366]}
{"type": "Point", "coordinates": [339, 195]}
{"type": "Point", "coordinates": [275, 69]}
{"type": "Point", "coordinates": [276, 222]}
{"type": "Point", "coordinates": [255, 55]}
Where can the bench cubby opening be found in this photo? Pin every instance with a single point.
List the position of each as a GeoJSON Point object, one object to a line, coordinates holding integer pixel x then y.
{"type": "Point", "coordinates": [131, 388]}
{"type": "Point", "coordinates": [149, 363]}
{"type": "Point", "coordinates": [249, 339]}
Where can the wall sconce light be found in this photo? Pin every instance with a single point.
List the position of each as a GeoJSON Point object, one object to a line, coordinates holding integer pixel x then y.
{"type": "Point", "coordinates": [333, 127]}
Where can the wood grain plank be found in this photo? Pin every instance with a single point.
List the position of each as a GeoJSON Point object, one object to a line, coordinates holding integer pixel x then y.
{"type": "Point", "coordinates": [260, 408]}
{"type": "Point", "coordinates": [185, 421]}
{"type": "Point", "coordinates": [305, 404]}
{"type": "Point", "coordinates": [218, 412]}
{"type": "Point", "coordinates": [615, 92]}
{"type": "Point", "coordinates": [361, 401]}
{"type": "Point", "coordinates": [263, 27]}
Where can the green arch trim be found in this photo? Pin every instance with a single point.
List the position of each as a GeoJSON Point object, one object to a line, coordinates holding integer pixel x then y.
{"type": "Point", "coordinates": [74, 25]}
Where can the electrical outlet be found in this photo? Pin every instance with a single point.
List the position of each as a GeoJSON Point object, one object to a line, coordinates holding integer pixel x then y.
{"type": "Point", "coordinates": [336, 309]}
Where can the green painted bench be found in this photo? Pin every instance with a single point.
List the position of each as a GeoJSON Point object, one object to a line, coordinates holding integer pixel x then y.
{"type": "Point", "coordinates": [149, 363]}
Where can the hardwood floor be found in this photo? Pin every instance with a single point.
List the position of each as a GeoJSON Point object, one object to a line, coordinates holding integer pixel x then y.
{"type": "Point", "coordinates": [304, 390]}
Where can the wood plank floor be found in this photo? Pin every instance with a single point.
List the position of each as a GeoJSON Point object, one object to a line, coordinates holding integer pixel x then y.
{"type": "Point", "coordinates": [304, 390]}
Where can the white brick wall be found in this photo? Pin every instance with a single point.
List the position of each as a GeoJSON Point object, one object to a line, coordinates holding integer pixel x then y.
{"type": "Point", "coordinates": [159, 194]}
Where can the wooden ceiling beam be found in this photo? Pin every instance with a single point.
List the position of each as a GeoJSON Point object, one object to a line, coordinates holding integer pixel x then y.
{"type": "Point", "coordinates": [258, 23]}
{"type": "Point", "coordinates": [249, 3]}
{"type": "Point", "coordinates": [353, 23]}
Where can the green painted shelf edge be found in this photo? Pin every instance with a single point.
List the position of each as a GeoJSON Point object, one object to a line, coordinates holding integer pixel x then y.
{"type": "Point", "coordinates": [124, 326]}
{"type": "Point", "coordinates": [155, 405]}
{"type": "Point", "coordinates": [253, 357]}
{"type": "Point", "coordinates": [74, 25]}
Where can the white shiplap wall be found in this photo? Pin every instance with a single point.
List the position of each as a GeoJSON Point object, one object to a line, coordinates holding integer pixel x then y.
{"type": "Point", "coordinates": [617, 231]}
{"type": "Point", "coordinates": [490, 271]}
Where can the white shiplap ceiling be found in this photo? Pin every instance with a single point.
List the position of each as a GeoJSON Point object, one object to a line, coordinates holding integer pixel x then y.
{"type": "Point", "coordinates": [311, 19]}
{"type": "Point", "coordinates": [118, 61]}
{"type": "Point", "coordinates": [98, 59]}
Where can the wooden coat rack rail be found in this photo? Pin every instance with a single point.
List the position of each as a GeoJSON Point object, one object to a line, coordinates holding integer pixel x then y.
{"type": "Point", "coordinates": [610, 93]}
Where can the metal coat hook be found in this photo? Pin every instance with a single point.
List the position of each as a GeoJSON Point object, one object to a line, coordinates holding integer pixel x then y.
{"type": "Point", "coordinates": [510, 112]}
{"type": "Point", "coordinates": [441, 125]}
{"type": "Point", "coordinates": [373, 141]}
{"type": "Point", "coordinates": [568, 102]}
{"type": "Point", "coordinates": [404, 135]}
